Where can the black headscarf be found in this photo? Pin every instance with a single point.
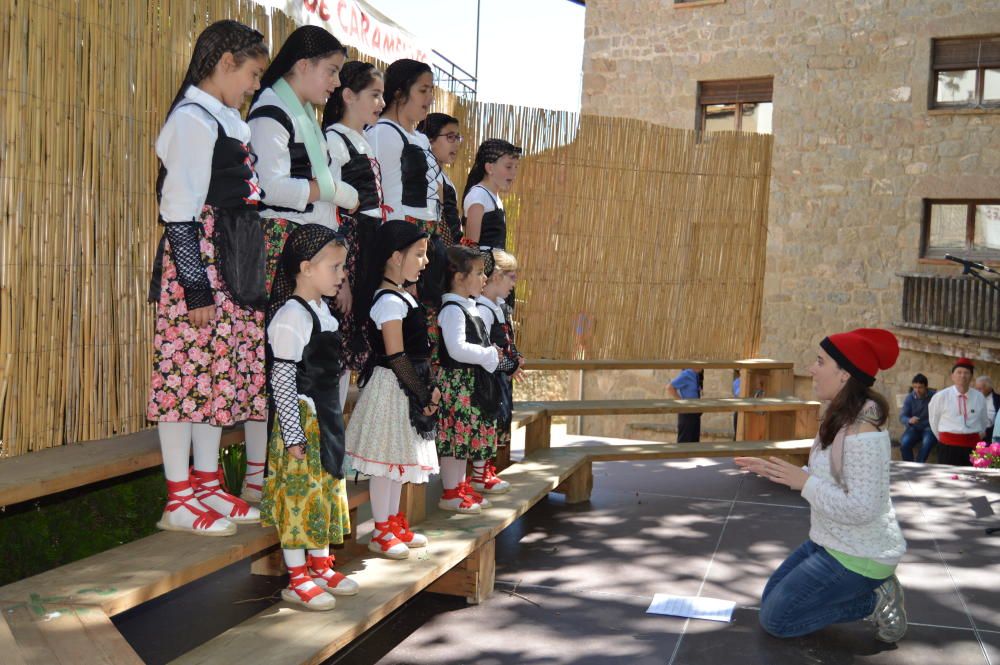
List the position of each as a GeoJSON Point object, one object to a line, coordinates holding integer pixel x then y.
{"type": "Point", "coordinates": [302, 244]}
{"type": "Point", "coordinates": [392, 236]}
{"type": "Point", "coordinates": [489, 263]}
{"type": "Point", "coordinates": [309, 41]}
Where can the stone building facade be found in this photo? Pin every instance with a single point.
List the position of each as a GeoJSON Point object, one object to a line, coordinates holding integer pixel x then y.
{"type": "Point", "coordinates": [857, 150]}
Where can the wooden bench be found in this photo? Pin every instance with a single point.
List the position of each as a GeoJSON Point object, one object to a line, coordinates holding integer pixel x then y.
{"type": "Point", "coordinates": [782, 417]}
{"type": "Point", "coordinates": [74, 465]}
{"type": "Point", "coordinates": [66, 611]}
{"type": "Point", "coordinates": [63, 615]}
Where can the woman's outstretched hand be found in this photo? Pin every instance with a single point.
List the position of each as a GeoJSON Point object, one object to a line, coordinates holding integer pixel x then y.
{"type": "Point", "coordinates": [775, 469]}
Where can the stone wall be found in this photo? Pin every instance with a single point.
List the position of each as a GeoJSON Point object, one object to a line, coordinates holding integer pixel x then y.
{"type": "Point", "coordinates": [855, 151]}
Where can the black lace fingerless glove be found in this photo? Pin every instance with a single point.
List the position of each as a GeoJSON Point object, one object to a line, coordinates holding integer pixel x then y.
{"type": "Point", "coordinates": [401, 366]}
{"type": "Point", "coordinates": [185, 250]}
{"type": "Point", "coordinates": [285, 393]}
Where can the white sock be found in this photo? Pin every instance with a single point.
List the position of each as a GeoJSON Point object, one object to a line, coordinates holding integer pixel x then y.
{"type": "Point", "coordinates": [396, 492]}
{"type": "Point", "coordinates": [293, 558]}
{"type": "Point", "coordinates": [255, 436]}
{"type": "Point", "coordinates": [379, 491]}
{"type": "Point", "coordinates": [452, 472]}
{"type": "Point", "coordinates": [479, 467]}
{"type": "Point", "coordinates": [322, 552]}
{"type": "Point", "coordinates": [175, 446]}
{"type": "Point", "coordinates": [206, 446]}
{"type": "Point", "coordinates": [345, 384]}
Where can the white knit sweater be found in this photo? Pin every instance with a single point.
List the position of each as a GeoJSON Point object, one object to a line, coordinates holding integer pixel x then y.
{"type": "Point", "coordinates": [860, 520]}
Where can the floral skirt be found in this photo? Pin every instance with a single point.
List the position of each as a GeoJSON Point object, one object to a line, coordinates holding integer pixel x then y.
{"type": "Point", "coordinates": [381, 440]}
{"type": "Point", "coordinates": [462, 431]}
{"type": "Point", "coordinates": [276, 230]}
{"type": "Point", "coordinates": [359, 231]}
{"type": "Point", "coordinates": [301, 499]}
{"type": "Point", "coordinates": [213, 374]}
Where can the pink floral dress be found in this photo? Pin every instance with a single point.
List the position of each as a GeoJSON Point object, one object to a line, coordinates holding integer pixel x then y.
{"type": "Point", "coordinates": [213, 374]}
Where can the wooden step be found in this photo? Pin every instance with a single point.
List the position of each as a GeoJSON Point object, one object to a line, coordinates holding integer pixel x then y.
{"type": "Point", "coordinates": [62, 468]}
{"type": "Point", "coordinates": [645, 451]}
{"type": "Point", "coordinates": [613, 407]}
{"type": "Point", "coordinates": [129, 575]}
{"type": "Point", "coordinates": [73, 465]}
{"type": "Point", "coordinates": [752, 364]}
{"type": "Point", "coordinates": [57, 633]}
{"type": "Point", "coordinates": [285, 634]}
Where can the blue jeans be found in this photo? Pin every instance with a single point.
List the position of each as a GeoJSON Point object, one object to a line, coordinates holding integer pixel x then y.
{"type": "Point", "coordinates": [910, 437]}
{"type": "Point", "coordinates": [811, 590]}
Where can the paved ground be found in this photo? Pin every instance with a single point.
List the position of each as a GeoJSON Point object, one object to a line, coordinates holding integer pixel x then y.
{"type": "Point", "coordinates": [573, 582]}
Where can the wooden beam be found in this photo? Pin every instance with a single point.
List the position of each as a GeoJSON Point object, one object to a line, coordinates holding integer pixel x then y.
{"type": "Point", "coordinates": [578, 486]}
{"type": "Point", "coordinates": [552, 364]}
{"type": "Point", "coordinates": [538, 434]}
{"type": "Point", "coordinates": [473, 578]}
{"type": "Point", "coordinates": [614, 407]}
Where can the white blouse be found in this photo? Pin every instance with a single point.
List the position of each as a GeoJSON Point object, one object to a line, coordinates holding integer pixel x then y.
{"type": "Point", "coordinates": [274, 165]}
{"type": "Point", "coordinates": [452, 323]}
{"type": "Point", "coordinates": [186, 145]}
{"type": "Point", "coordinates": [291, 327]}
{"type": "Point", "coordinates": [340, 156]}
{"type": "Point", "coordinates": [388, 146]}
{"type": "Point", "coordinates": [489, 311]}
{"type": "Point", "coordinates": [391, 309]}
{"type": "Point", "coordinates": [481, 196]}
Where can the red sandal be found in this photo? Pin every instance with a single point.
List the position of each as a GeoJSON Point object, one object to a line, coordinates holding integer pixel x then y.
{"type": "Point", "coordinates": [303, 590]}
{"type": "Point", "coordinates": [385, 542]}
{"type": "Point", "coordinates": [401, 529]}
{"type": "Point", "coordinates": [323, 574]}
{"type": "Point", "coordinates": [206, 522]}
{"type": "Point", "coordinates": [209, 491]}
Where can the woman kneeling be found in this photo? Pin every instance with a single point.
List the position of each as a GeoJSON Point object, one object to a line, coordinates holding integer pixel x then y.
{"type": "Point", "coordinates": [845, 571]}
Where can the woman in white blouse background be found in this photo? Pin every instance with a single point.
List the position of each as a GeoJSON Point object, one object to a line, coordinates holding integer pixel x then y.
{"type": "Point", "coordinates": [845, 570]}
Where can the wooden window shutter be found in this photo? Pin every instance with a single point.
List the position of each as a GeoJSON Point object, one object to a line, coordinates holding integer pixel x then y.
{"type": "Point", "coordinates": [735, 91]}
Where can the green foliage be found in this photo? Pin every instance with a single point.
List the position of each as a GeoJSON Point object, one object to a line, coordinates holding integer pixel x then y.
{"type": "Point", "coordinates": [59, 529]}
{"type": "Point", "coordinates": [234, 467]}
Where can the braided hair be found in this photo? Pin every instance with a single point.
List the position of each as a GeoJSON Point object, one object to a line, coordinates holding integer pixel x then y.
{"type": "Point", "coordinates": [400, 76]}
{"type": "Point", "coordinates": [226, 36]}
{"type": "Point", "coordinates": [356, 76]}
{"type": "Point", "coordinates": [489, 152]}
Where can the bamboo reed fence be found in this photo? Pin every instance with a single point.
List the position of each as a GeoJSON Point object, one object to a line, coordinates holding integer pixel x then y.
{"type": "Point", "coordinates": [635, 240]}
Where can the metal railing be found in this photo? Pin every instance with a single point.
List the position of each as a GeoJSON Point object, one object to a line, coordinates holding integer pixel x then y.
{"type": "Point", "coordinates": [453, 78]}
{"type": "Point", "coordinates": [955, 304]}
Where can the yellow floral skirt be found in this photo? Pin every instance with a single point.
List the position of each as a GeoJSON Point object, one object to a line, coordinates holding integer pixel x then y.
{"type": "Point", "coordinates": [301, 499]}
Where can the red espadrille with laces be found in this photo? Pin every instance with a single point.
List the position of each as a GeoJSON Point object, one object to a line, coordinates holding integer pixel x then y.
{"type": "Point", "coordinates": [303, 590]}
{"type": "Point", "coordinates": [466, 489]}
{"type": "Point", "coordinates": [253, 483]}
{"type": "Point", "coordinates": [487, 481]}
{"type": "Point", "coordinates": [401, 529]}
{"type": "Point", "coordinates": [185, 513]}
{"type": "Point", "coordinates": [208, 489]}
{"type": "Point", "coordinates": [385, 542]}
{"type": "Point", "coordinates": [323, 574]}
{"type": "Point", "coordinates": [457, 501]}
